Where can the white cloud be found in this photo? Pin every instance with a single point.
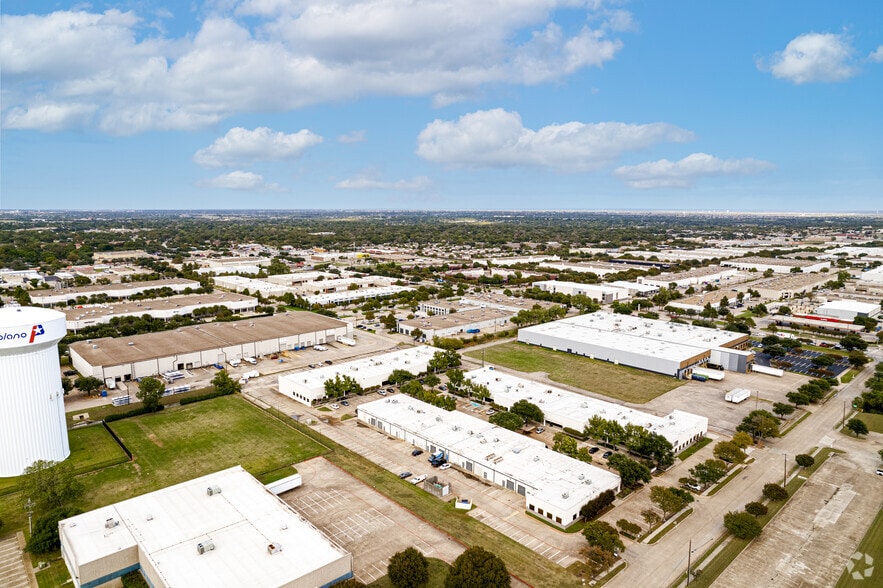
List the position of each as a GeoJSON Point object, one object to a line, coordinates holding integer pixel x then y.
{"type": "Point", "coordinates": [239, 180]}
{"type": "Point", "coordinates": [681, 174]}
{"type": "Point", "coordinates": [814, 57]}
{"type": "Point", "coordinates": [48, 117]}
{"type": "Point", "coordinates": [354, 137]}
{"type": "Point", "coordinates": [242, 146]}
{"type": "Point", "coordinates": [497, 138]}
{"type": "Point", "coordinates": [877, 55]}
{"type": "Point", "coordinates": [273, 55]}
{"type": "Point", "coordinates": [370, 181]}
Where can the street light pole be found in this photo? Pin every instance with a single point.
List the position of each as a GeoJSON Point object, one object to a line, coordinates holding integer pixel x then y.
{"type": "Point", "coordinates": [29, 508]}
{"type": "Point", "coordinates": [843, 422]}
{"type": "Point", "coordinates": [689, 556]}
{"type": "Point", "coordinates": [785, 471]}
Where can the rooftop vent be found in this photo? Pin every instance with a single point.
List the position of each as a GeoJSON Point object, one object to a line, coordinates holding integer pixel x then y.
{"type": "Point", "coordinates": [274, 548]}
{"type": "Point", "coordinates": [213, 490]}
{"type": "Point", "coordinates": [111, 523]}
{"type": "Point", "coordinates": [204, 547]}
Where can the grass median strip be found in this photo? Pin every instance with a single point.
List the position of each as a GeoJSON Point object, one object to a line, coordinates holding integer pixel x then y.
{"type": "Point", "coordinates": [670, 526]}
{"type": "Point", "coordinates": [725, 481]}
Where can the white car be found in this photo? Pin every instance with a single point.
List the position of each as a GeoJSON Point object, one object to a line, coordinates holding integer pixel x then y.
{"type": "Point", "coordinates": [250, 360]}
{"type": "Point", "coordinates": [444, 466]}
{"type": "Point", "coordinates": [417, 479]}
{"type": "Point", "coordinates": [491, 412]}
{"type": "Point", "coordinates": [335, 406]}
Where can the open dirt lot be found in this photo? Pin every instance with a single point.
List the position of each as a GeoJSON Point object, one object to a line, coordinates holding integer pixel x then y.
{"type": "Point", "coordinates": [811, 540]}
{"type": "Point", "coordinates": [362, 521]}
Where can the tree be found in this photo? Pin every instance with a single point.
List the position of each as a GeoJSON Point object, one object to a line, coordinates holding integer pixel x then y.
{"type": "Point", "coordinates": [408, 569]}
{"type": "Point", "coordinates": [507, 420]}
{"type": "Point", "coordinates": [760, 424]}
{"type": "Point", "coordinates": [742, 525]}
{"type": "Point", "coordinates": [89, 384]}
{"type": "Point", "coordinates": [50, 483]}
{"type": "Point", "coordinates": [775, 492]}
{"type": "Point", "coordinates": [528, 411]}
{"type": "Point", "coordinates": [596, 506]}
{"type": "Point", "coordinates": [478, 568]}
{"type": "Point", "coordinates": [668, 501]}
{"type": "Point", "coordinates": [857, 426]}
{"type": "Point", "coordinates": [797, 398]}
{"type": "Point", "coordinates": [628, 528]}
{"type": "Point", "coordinates": [852, 341]}
{"type": "Point", "coordinates": [150, 391]}
{"type": "Point", "coordinates": [341, 386]}
{"type": "Point", "coordinates": [455, 379]}
{"type": "Point", "coordinates": [857, 359]}
{"type": "Point", "coordinates": [805, 461]}
{"type": "Point", "coordinates": [45, 537]}
{"type": "Point", "coordinates": [650, 517]}
{"type": "Point", "coordinates": [400, 376]}
{"type": "Point", "coordinates": [564, 443]}
{"type": "Point", "coordinates": [224, 384]}
{"type": "Point", "coordinates": [431, 380]}
{"type": "Point", "coordinates": [67, 385]}
{"type": "Point", "coordinates": [709, 471]}
{"type": "Point", "coordinates": [631, 472]}
{"type": "Point", "coordinates": [389, 321]}
{"type": "Point", "coordinates": [782, 410]}
{"type": "Point", "coordinates": [757, 509]}
{"type": "Point", "coordinates": [598, 560]}
{"type": "Point", "coordinates": [742, 440]}
{"type": "Point", "coordinates": [729, 452]}
{"type": "Point", "coordinates": [602, 534]}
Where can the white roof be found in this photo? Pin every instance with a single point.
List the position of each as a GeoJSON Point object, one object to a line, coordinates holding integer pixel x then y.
{"type": "Point", "coordinates": [241, 521]}
{"type": "Point", "coordinates": [848, 305]}
{"type": "Point", "coordinates": [507, 389]}
{"type": "Point", "coordinates": [550, 476]}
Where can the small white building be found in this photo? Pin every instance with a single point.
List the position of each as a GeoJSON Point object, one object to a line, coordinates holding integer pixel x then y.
{"type": "Point", "coordinates": [554, 485]}
{"type": "Point", "coordinates": [308, 386]}
{"type": "Point", "coordinates": [221, 530]}
{"type": "Point", "coordinates": [562, 408]}
{"type": "Point", "coordinates": [848, 310]}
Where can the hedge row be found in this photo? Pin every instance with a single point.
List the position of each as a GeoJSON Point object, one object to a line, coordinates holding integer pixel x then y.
{"type": "Point", "coordinates": [207, 396]}
{"type": "Point", "coordinates": [129, 413]}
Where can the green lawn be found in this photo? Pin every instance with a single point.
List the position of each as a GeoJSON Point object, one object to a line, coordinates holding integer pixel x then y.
{"type": "Point", "coordinates": [438, 571]}
{"type": "Point", "coordinates": [616, 381]}
{"type": "Point", "coordinates": [874, 421]}
{"type": "Point", "coordinates": [872, 545]}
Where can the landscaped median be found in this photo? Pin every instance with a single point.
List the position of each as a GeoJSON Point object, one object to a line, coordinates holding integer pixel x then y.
{"type": "Point", "coordinates": [723, 551]}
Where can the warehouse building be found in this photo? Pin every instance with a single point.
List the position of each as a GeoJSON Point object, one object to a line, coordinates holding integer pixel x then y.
{"type": "Point", "coordinates": [603, 294]}
{"type": "Point", "coordinates": [221, 530]}
{"type": "Point", "coordinates": [788, 286]}
{"type": "Point", "coordinates": [241, 284]}
{"type": "Point", "coordinates": [848, 310]}
{"type": "Point", "coordinates": [562, 408]}
{"type": "Point", "coordinates": [694, 277]}
{"type": "Point", "coordinates": [122, 290]}
{"type": "Point", "coordinates": [554, 486]}
{"type": "Point", "coordinates": [127, 358]}
{"type": "Point", "coordinates": [308, 386]}
{"type": "Point", "coordinates": [463, 323]}
{"type": "Point", "coordinates": [348, 296]}
{"type": "Point", "coordinates": [667, 348]}
{"type": "Point", "coordinates": [778, 266]}
{"type": "Point", "coordinates": [81, 317]}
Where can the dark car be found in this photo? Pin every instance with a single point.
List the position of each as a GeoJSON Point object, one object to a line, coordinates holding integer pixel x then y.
{"type": "Point", "coordinates": [344, 403]}
{"type": "Point", "coordinates": [416, 452]}
{"type": "Point", "coordinates": [404, 475]}
{"type": "Point", "coordinates": [70, 372]}
{"type": "Point", "coordinates": [607, 454]}
{"type": "Point", "coordinates": [328, 362]}
{"type": "Point", "coordinates": [594, 450]}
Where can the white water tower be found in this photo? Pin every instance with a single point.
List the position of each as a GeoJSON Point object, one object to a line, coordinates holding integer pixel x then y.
{"type": "Point", "coordinates": [32, 423]}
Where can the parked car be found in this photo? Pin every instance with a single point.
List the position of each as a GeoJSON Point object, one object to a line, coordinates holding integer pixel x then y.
{"type": "Point", "coordinates": [607, 454]}
{"type": "Point", "coordinates": [344, 403]}
{"type": "Point", "coordinates": [443, 388]}
{"type": "Point", "coordinates": [382, 392]}
{"type": "Point", "coordinates": [541, 429]}
{"type": "Point", "coordinates": [416, 452]}
{"type": "Point", "coordinates": [74, 372]}
{"type": "Point", "coordinates": [879, 472]}
{"type": "Point", "coordinates": [693, 487]}
{"type": "Point", "coordinates": [328, 362]}
{"type": "Point", "coordinates": [444, 466]}
{"type": "Point", "coordinates": [335, 406]}
{"type": "Point", "coordinates": [491, 411]}
{"type": "Point", "coordinates": [594, 450]}
{"type": "Point", "coordinates": [417, 479]}
{"type": "Point", "coordinates": [404, 475]}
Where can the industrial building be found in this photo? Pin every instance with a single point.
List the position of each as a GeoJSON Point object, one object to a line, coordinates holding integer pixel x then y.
{"type": "Point", "coordinates": [347, 296]}
{"type": "Point", "coordinates": [554, 486]}
{"type": "Point", "coordinates": [308, 386]}
{"type": "Point", "coordinates": [562, 408]}
{"type": "Point", "coordinates": [694, 277]}
{"type": "Point", "coordinates": [788, 286]}
{"type": "Point", "coordinates": [122, 290]}
{"type": "Point", "coordinates": [32, 422]}
{"type": "Point", "coordinates": [127, 358]}
{"type": "Point", "coordinates": [83, 316]}
{"type": "Point", "coordinates": [778, 266]}
{"type": "Point", "coordinates": [667, 348]}
{"type": "Point", "coordinates": [241, 284]}
{"type": "Point", "coordinates": [463, 323]}
{"type": "Point", "coordinates": [486, 300]}
{"type": "Point", "coordinates": [603, 294]}
{"type": "Point", "coordinates": [221, 530]}
{"type": "Point", "coordinates": [848, 310]}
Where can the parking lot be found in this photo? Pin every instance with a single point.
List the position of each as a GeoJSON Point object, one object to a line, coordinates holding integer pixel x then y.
{"type": "Point", "coordinates": [800, 362]}
{"type": "Point", "coordinates": [363, 521]}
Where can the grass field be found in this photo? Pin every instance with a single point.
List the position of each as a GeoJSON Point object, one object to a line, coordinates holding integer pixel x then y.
{"type": "Point", "coordinates": [872, 545]}
{"type": "Point", "coordinates": [438, 571]}
{"type": "Point", "coordinates": [616, 381]}
{"type": "Point", "coordinates": [874, 421]}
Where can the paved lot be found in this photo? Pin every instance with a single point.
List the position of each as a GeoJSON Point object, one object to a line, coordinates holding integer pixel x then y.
{"type": "Point", "coordinates": [802, 363]}
{"type": "Point", "coordinates": [811, 540]}
{"type": "Point", "coordinates": [362, 521]}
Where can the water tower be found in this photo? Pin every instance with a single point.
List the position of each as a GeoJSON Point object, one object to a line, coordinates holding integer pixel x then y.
{"type": "Point", "coordinates": [32, 423]}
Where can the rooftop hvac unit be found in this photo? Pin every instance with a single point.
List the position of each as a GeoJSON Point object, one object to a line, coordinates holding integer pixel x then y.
{"type": "Point", "coordinates": [274, 548]}
{"type": "Point", "coordinates": [204, 547]}
{"type": "Point", "coordinates": [111, 523]}
{"type": "Point", "coordinates": [213, 490]}
{"type": "Point", "coordinates": [565, 495]}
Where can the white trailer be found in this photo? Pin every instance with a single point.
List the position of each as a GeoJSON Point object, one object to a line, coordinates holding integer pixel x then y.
{"type": "Point", "coordinates": [711, 374]}
{"type": "Point", "coordinates": [346, 340]}
{"type": "Point", "coordinates": [770, 371]}
{"type": "Point", "coordinates": [737, 395]}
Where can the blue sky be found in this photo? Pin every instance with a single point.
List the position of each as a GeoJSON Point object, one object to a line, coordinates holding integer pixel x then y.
{"type": "Point", "coordinates": [442, 104]}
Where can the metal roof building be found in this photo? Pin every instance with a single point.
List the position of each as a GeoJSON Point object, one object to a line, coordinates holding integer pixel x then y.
{"type": "Point", "coordinates": [128, 358]}
{"type": "Point", "coordinates": [553, 485]}
{"type": "Point", "coordinates": [221, 530]}
{"type": "Point", "coordinates": [121, 290]}
{"type": "Point", "coordinates": [308, 386]}
{"type": "Point", "coordinates": [563, 408]}
{"type": "Point", "coordinates": [848, 310]}
{"type": "Point", "coordinates": [667, 348]}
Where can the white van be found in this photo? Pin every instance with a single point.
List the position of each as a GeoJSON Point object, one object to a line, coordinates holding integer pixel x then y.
{"type": "Point", "coordinates": [250, 360]}
{"type": "Point", "coordinates": [234, 362]}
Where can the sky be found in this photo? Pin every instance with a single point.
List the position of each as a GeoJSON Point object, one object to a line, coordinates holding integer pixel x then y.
{"type": "Point", "coordinates": [442, 105]}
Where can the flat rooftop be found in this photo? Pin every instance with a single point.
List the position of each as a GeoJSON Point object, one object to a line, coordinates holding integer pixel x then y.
{"type": "Point", "coordinates": [241, 521]}
{"type": "Point", "coordinates": [111, 351]}
{"type": "Point", "coordinates": [793, 281]}
{"type": "Point", "coordinates": [849, 305]}
{"type": "Point", "coordinates": [773, 261]}
{"type": "Point", "coordinates": [171, 303]}
{"type": "Point", "coordinates": [413, 359]}
{"type": "Point", "coordinates": [549, 475]}
{"type": "Point", "coordinates": [117, 290]}
{"type": "Point", "coordinates": [461, 318]}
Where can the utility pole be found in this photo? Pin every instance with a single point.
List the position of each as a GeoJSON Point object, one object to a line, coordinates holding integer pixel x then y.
{"type": "Point", "coordinates": [756, 398]}
{"type": "Point", "coordinates": [843, 422]}
{"type": "Point", "coordinates": [29, 508]}
{"type": "Point", "coordinates": [689, 555]}
{"type": "Point", "coordinates": [785, 471]}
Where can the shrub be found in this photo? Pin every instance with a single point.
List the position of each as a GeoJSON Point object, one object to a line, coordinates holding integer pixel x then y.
{"type": "Point", "coordinates": [805, 461]}
{"type": "Point", "coordinates": [45, 536]}
{"type": "Point", "coordinates": [408, 569]}
{"type": "Point", "coordinates": [742, 525]}
{"type": "Point", "coordinates": [206, 396]}
{"type": "Point", "coordinates": [628, 528]}
{"type": "Point", "coordinates": [596, 506]}
{"type": "Point", "coordinates": [129, 413]}
{"type": "Point", "coordinates": [775, 492]}
{"type": "Point", "coordinates": [756, 509]}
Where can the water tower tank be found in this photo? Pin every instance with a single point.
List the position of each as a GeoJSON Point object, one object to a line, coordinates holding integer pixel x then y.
{"type": "Point", "coordinates": [32, 423]}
